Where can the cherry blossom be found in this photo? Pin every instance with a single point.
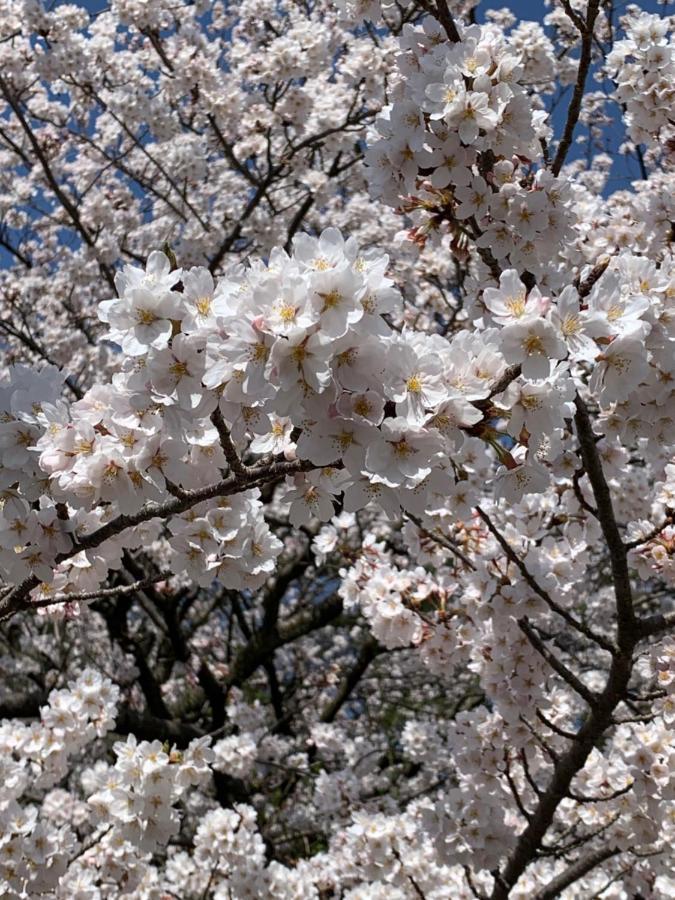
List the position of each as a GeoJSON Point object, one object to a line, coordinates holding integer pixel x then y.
{"type": "Point", "coordinates": [337, 474]}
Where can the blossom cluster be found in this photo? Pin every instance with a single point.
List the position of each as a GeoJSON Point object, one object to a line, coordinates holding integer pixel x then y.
{"type": "Point", "coordinates": [34, 851]}
{"type": "Point", "coordinates": [643, 66]}
{"type": "Point", "coordinates": [137, 794]}
{"type": "Point", "coordinates": [373, 557]}
{"type": "Point", "coordinates": [451, 147]}
{"type": "Point", "coordinates": [304, 347]}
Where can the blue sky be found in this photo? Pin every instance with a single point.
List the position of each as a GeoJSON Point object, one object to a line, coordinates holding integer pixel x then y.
{"type": "Point", "coordinates": [625, 169]}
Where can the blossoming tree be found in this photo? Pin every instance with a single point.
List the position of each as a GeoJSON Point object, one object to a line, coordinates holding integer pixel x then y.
{"type": "Point", "coordinates": [337, 451]}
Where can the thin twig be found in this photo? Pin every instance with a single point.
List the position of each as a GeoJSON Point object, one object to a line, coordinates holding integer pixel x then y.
{"type": "Point", "coordinates": [100, 594]}
{"type": "Point", "coordinates": [536, 587]}
{"type": "Point", "coordinates": [557, 665]}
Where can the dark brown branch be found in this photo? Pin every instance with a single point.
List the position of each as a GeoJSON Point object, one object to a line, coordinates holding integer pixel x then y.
{"type": "Point", "coordinates": [579, 494]}
{"type": "Point", "coordinates": [370, 649]}
{"type": "Point", "coordinates": [275, 594]}
{"type": "Point", "coordinates": [151, 728]}
{"type": "Point", "coordinates": [576, 870]}
{"type": "Point", "coordinates": [656, 624]}
{"type": "Point", "coordinates": [262, 644]}
{"type": "Point", "coordinates": [586, 286]}
{"type": "Point", "coordinates": [655, 532]}
{"type": "Point", "coordinates": [556, 729]}
{"type": "Point", "coordinates": [566, 766]}
{"type": "Point", "coordinates": [115, 592]}
{"type": "Point", "coordinates": [446, 20]}
{"type": "Point", "coordinates": [560, 849]}
{"type": "Point", "coordinates": [61, 196]}
{"type": "Point", "coordinates": [32, 345]}
{"type": "Point", "coordinates": [418, 890]}
{"type": "Point", "coordinates": [439, 10]}
{"type": "Point", "coordinates": [585, 798]}
{"type": "Point", "coordinates": [528, 775]}
{"type": "Point", "coordinates": [559, 667]}
{"type": "Point", "coordinates": [26, 705]}
{"type": "Point", "coordinates": [255, 476]}
{"type": "Point", "coordinates": [472, 887]}
{"type": "Point", "coordinates": [443, 540]}
{"type": "Point", "coordinates": [514, 790]}
{"type": "Point", "coordinates": [582, 72]}
{"type": "Point", "coordinates": [617, 552]}
{"type": "Point", "coordinates": [237, 467]}
{"type": "Point", "coordinates": [230, 240]}
{"type": "Point", "coordinates": [25, 260]}
{"type": "Point", "coordinates": [536, 587]}
{"type": "Point", "coordinates": [502, 383]}
{"type": "Point", "coordinates": [297, 220]}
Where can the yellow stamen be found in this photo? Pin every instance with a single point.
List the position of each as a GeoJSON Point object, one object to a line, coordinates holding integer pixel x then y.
{"type": "Point", "coordinates": [145, 316]}
{"type": "Point", "coordinates": [533, 344]}
{"type": "Point", "coordinates": [203, 305]}
{"type": "Point", "coordinates": [414, 384]}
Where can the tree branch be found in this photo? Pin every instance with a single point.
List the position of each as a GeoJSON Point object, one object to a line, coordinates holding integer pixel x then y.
{"type": "Point", "coordinates": [627, 631]}
{"type": "Point", "coordinates": [369, 650]}
{"type": "Point", "coordinates": [61, 196]}
{"type": "Point", "coordinates": [439, 10]}
{"type": "Point", "coordinates": [582, 72]}
{"type": "Point", "coordinates": [237, 467]}
{"type": "Point", "coordinates": [575, 871]}
{"type": "Point", "coordinates": [536, 587]}
{"type": "Point", "coordinates": [559, 667]}
{"type": "Point", "coordinates": [115, 592]}
{"type": "Point", "coordinates": [255, 476]}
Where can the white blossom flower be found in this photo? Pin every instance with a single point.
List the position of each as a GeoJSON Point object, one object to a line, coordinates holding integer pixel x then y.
{"type": "Point", "coordinates": [532, 343]}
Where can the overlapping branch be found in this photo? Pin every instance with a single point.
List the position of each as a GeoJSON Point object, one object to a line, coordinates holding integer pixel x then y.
{"type": "Point", "coordinates": [255, 476]}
